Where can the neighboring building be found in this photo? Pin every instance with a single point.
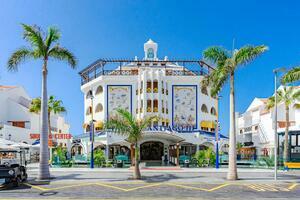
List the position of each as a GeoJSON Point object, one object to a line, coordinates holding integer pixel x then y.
{"type": "Point", "coordinates": [169, 89]}
{"type": "Point", "coordinates": [18, 124]}
{"type": "Point", "coordinates": [255, 127]}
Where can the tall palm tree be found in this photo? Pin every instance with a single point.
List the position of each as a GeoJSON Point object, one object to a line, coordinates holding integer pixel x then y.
{"type": "Point", "coordinates": [292, 76]}
{"type": "Point", "coordinates": [42, 47]}
{"type": "Point", "coordinates": [54, 106]}
{"type": "Point", "coordinates": [287, 95]}
{"type": "Point", "coordinates": [126, 124]}
{"type": "Point", "coordinates": [226, 64]}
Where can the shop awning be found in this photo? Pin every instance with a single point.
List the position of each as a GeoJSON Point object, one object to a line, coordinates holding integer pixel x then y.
{"type": "Point", "coordinates": [99, 125]}
{"type": "Point", "coordinates": [207, 124]}
{"type": "Point", "coordinates": [84, 125]}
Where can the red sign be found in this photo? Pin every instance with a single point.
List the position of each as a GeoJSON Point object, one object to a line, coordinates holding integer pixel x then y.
{"type": "Point", "coordinates": [55, 136]}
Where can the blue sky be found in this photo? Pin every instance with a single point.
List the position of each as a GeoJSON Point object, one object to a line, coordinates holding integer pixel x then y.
{"type": "Point", "coordinates": [183, 29]}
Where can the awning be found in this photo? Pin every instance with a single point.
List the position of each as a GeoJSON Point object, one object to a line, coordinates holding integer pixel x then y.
{"type": "Point", "coordinates": [84, 126]}
{"type": "Point", "coordinates": [208, 124]}
{"type": "Point", "coordinates": [169, 136]}
{"type": "Point", "coordinates": [99, 125]}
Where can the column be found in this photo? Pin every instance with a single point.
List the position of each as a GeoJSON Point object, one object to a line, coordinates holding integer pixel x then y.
{"type": "Point", "coordinates": [177, 154]}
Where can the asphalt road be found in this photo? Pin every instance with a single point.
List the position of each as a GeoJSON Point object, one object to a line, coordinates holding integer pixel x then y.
{"type": "Point", "coordinates": [158, 185]}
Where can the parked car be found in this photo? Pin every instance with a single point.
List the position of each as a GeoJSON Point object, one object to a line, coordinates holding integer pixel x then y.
{"type": "Point", "coordinates": [12, 167]}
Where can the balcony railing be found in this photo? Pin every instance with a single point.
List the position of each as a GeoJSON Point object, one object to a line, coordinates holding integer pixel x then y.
{"type": "Point", "coordinates": [185, 72]}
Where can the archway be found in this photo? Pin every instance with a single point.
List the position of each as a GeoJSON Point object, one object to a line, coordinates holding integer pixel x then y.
{"type": "Point", "coordinates": [152, 150]}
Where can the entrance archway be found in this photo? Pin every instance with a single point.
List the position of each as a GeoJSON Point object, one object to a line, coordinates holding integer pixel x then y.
{"type": "Point", "coordinates": [152, 150]}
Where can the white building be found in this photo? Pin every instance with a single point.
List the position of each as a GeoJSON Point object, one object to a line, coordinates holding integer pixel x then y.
{"type": "Point", "coordinates": [255, 127]}
{"type": "Point", "coordinates": [18, 124]}
{"type": "Point", "coordinates": [169, 89]}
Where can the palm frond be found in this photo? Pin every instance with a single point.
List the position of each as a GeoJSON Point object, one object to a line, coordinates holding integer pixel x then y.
{"type": "Point", "coordinates": [52, 36]}
{"type": "Point", "coordinates": [216, 54]}
{"type": "Point", "coordinates": [18, 57]}
{"type": "Point", "coordinates": [63, 54]}
{"type": "Point", "coordinates": [297, 106]}
{"type": "Point", "coordinates": [217, 79]}
{"type": "Point", "coordinates": [33, 34]}
{"type": "Point", "coordinates": [118, 126]}
{"type": "Point", "coordinates": [35, 106]}
{"type": "Point", "coordinates": [291, 76]}
{"type": "Point", "coordinates": [271, 102]}
{"type": "Point", "coordinates": [248, 53]}
{"type": "Point", "coordinates": [146, 122]}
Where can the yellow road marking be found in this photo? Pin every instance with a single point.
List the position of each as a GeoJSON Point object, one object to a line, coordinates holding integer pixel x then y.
{"type": "Point", "coordinates": [256, 187]}
{"type": "Point", "coordinates": [220, 186]}
{"type": "Point", "coordinates": [36, 187]}
{"type": "Point", "coordinates": [292, 186]}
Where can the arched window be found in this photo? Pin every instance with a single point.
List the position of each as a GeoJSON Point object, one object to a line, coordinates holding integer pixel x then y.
{"type": "Point", "coordinates": [155, 86]}
{"type": "Point", "coordinates": [204, 108]}
{"type": "Point", "coordinates": [87, 129]}
{"type": "Point", "coordinates": [213, 111]}
{"type": "Point", "coordinates": [99, 89]}
{"type": "Point", "coordinates": [99, 108]}
{"type": "Point", "coordinates": [149, 86]}
{"type": "Point", "coordinates": [89, 94]}
{"type": "Point", "coordinates": [89, 110]}
{"type": "Point", "coordinates": [149, 105]}
{"type": "Point", "coordinates": [155, 105]}
{"type": "Point", "coordinates": [204, 90]}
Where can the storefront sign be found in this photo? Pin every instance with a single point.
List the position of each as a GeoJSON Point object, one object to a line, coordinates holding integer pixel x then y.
{"type": "Point", "coordinates": [52, 136]}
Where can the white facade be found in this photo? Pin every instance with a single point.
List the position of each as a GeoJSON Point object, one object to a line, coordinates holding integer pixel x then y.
{"type": "Point", "coordinates": [256, 125]}
{"type": "Point", "coordinates": [17, 123]}
{"type": "Point", "coordinates": [151, 87]}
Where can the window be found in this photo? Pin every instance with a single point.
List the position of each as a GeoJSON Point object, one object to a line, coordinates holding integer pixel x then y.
{"type": "Point", "coordinates": [88, 94]}
{"type": "Point", "coordinates": [204, 90]}
{"type": "Point", "coordinates": [89, 110]}
{"type": "Point", "coordinates": [149, 106]}
{"type": "Point", "coordinates": [19, 124]}
{"type": "Point", "coordinates": [149, 86]}
{"type": "Point", "coordinates": [155, 86]}
{"type": "Point", "coordinates": [99, 89]}
{"type": "Point", "coordinates": [204, 108]}
{"type": "Point", "coordinates": [213, 111]}
{"type": "Point", "coordinates": [99, 108]}
{"type": "Point", "coordinates": [155, 105]}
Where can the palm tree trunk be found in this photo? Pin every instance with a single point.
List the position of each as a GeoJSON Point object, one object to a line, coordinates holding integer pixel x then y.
{"type": "Point", "coordinates": [44, 172]}
{"type": "Point", "coordinates": [137, 173]}
{"type": "Point", "coordinates": [286, 135]}
{"type": "Point", "coordinates": [232, 169]}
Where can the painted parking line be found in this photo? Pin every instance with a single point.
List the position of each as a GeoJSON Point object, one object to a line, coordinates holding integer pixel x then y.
{"type": "Point", "coordinates": [142, 185]}
{"type": "Point", "coordinates": [271, 187]}
{"type": "Point", "coordinates": [197, 188]}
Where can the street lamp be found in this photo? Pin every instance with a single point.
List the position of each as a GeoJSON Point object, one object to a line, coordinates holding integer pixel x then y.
{"type": "Point", "coordinates": [217, 133]}
{"type": "Point", "coordinates": [91, 96]}
{"type": "Point", "coordinates": [275, 71]}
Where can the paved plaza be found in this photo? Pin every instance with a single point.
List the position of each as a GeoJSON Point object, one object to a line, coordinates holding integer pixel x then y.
{"type": "Point", "coordinates": [161, 184]}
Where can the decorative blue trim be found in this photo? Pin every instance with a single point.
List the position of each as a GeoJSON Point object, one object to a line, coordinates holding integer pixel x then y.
{"type": "Point", "coordinates": [196, 86]}
{"type": "Point", "coordinates": [107, 86]}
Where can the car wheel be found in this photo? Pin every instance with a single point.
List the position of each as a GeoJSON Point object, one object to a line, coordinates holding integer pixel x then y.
{"type": "Point", "coordinates": [25, 177]}
{"type": "Point", "coordinates": [17, 182]}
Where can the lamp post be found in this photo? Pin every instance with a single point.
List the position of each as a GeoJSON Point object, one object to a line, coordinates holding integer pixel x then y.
{"type": "Point", "coordinates": [91, 96]}
{"type": "Point", "coordinates": [275, 71]}
{"type": "Point", "coordinates": [217, 133]}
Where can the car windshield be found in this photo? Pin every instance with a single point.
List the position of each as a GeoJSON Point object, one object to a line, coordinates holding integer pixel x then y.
{"type": "Point", "coordinates": [9, 158]}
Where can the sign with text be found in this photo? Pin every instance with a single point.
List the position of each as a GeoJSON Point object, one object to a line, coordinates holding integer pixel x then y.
{"type": "Point", "coordinates": [65, 136]}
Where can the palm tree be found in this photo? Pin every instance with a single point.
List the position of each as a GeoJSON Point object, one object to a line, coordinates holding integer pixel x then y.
{"type": "Point", "coordinates": [42, 47]}
{"type": "Point", "coordinates": [54, 106]}
{"type": "Point", "coordinates": [287, 96]}
{"type": "Point", "coordinates": [292, 76]}
{"type": "Point", "coordinates": [127, 125]}
{"type": "Point", "coordinates": [226, 63]}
